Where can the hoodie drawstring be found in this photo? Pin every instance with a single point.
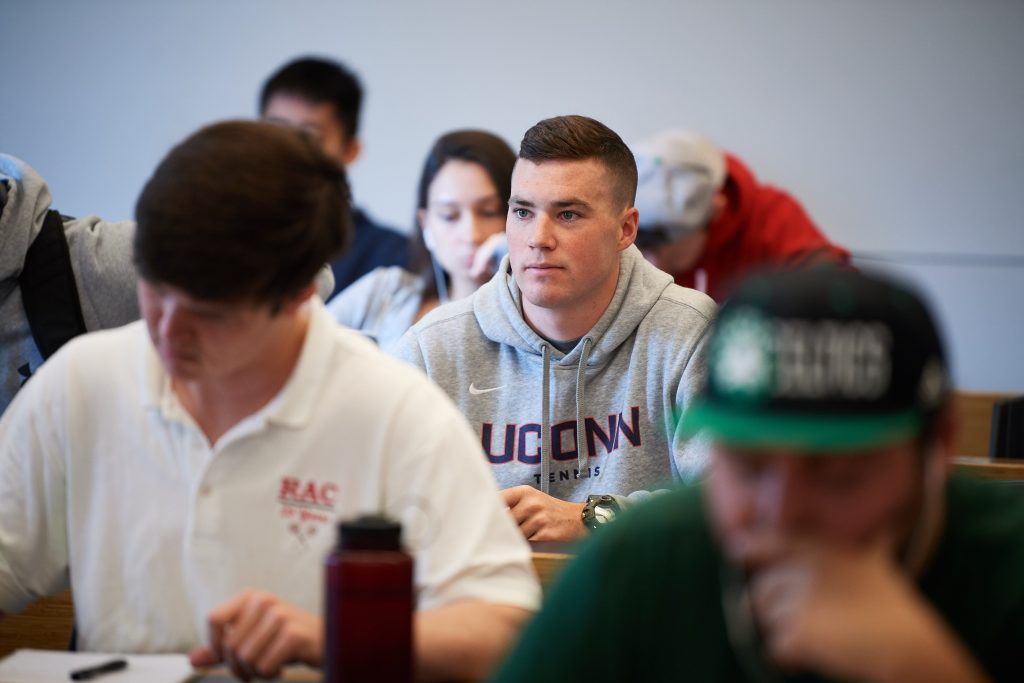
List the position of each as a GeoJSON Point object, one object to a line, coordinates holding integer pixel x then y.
{"type": "Point", "coordinates": [545, 423]}
{"type": "Point", "coordinates": [581, 378]}
{"type": "Point", "coordinates": [582, 456]}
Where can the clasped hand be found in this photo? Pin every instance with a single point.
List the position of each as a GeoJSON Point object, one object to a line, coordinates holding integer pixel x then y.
{"type": "Point", "coordinates": [542, 517]}
{"type": "Point", "coordinates": [848, 613]}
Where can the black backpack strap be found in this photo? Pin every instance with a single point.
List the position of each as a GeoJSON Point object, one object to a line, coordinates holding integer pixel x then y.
{"type": "Point", "coordinates": [48, 289]}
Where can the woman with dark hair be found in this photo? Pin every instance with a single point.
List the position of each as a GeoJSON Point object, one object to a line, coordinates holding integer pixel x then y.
{"type": "Point", "coordinates": [460, 223]}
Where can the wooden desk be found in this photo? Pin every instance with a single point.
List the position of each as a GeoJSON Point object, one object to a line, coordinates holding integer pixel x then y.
{"type": "Point", "coordinates": [45, 625]}
{"type": "Point", "coordinates": [549, 558]}
{"type": "Point", "coordinates": [975, 411]}
{"type": "Point", "coordinates": [995, 470]}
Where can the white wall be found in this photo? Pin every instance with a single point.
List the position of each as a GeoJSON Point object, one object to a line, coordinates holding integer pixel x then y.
{"type": "Point", "coordinates": [896, 122]}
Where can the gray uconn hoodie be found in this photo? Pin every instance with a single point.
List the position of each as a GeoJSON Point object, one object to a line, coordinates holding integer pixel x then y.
{"type": "Point", "coordinates": [601, 419]}
{"type": "Point", "coordinates": [101, 260]}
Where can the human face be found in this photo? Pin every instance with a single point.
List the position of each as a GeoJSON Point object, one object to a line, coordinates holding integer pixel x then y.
{"type": "Point", "coordinates": [463, 210]}
{"type": "Point", "coordinates": [678, 256]}
{"type": "Point", "coordinates": [848, 500]}
{"type": "Point", "coordinates": [319, 119]}
{"type": "Point", "coordinates": [565, 231]}
{"type": "Point", "coordinates": [206, 341]}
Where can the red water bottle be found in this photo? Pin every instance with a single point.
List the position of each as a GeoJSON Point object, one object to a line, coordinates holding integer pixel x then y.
{"type": "Point", "coordinates": [368, 605]}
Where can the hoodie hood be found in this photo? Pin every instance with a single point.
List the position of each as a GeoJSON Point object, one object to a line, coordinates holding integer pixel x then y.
{"type": "Point", "coordinates": [28, 199]}
{"type": "Point", "coordinates": [760, 226]}
{"type": "Point", "coordinates": [498, 308]}
{"type": "Point", "coordinates": [739, 184]}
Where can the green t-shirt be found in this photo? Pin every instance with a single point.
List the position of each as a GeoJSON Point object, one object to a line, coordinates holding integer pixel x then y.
{"type": "Point", "coordinates": [643, 602]}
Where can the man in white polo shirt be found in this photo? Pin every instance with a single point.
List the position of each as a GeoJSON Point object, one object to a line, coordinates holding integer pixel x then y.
{"type": "Point", "coordinates": [184, 473]}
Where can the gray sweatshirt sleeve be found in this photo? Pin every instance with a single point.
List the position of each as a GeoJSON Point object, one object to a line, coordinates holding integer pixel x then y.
{"type": "Point", "coordinates": [102, 262]}
{"type": "Point", "coordinates": [636, 497]}
{"type": "Point", "coordinates": [350, 306]}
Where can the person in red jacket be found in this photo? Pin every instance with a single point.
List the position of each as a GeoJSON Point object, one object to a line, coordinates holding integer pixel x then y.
{"type": "Point", "coordinates": [706, 220]}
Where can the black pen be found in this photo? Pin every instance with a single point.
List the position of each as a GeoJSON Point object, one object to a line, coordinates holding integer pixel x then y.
{"type": "Point", "coordinates": [90, 672]}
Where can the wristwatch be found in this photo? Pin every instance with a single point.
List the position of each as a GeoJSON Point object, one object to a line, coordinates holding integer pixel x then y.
{"type": "Point", "coordinates": [599, 511]}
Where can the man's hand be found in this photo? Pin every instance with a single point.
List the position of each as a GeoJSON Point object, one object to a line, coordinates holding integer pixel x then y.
{"type": "Point", "coordinates": [256, 633]}
{"type": "Point", "coordinates": [850, 614]}
{"type": "Point", "coordinates": [542, 517]}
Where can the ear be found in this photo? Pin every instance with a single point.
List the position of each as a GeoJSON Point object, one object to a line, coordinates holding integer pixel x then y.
{"type": "Point", "coordinates": [292, 305]}
{"type": "Point", "coordinates": [947, 428]}
{"type": "Point", "coordinates": [719, 203]}
{"type": "Point", "coordinates": [628, 227]}
{"type": "Point", "coordinates": [353, 148]}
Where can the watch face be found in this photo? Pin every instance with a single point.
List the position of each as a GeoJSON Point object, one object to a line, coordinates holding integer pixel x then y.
{"type": "Point", "coordinates": [603, 513]}
{"type": "Point", "coordinates": [599, 510]}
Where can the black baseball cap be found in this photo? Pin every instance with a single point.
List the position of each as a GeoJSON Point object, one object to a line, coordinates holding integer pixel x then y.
{"type": "Point", "coordinates": [821, 360]}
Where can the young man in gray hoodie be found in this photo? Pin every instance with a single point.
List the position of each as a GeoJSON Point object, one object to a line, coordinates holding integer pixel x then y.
{"type": "Point", "coordinates": [576, 359]}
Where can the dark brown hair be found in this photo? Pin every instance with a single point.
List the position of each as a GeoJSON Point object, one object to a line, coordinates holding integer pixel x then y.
{"type": "Point", "coordinates": [477, 146]}
{"type": "Point", "coordinates": [242, 211]}
{"type": "Point", "coordinates": [319, 80]}
{"type": "Point", "coordinates": [567, 138]}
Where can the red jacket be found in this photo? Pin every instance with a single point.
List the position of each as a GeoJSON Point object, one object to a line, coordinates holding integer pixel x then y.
{"type": "Point", "coordinates": [760, 226]}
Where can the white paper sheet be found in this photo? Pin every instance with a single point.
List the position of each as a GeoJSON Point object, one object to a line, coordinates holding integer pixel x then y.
{"type": "Point", "coordinates": [55, 666]}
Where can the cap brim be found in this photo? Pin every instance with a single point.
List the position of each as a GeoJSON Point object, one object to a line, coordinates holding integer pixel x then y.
{"type": "Point", "coordinates": [814, 432]}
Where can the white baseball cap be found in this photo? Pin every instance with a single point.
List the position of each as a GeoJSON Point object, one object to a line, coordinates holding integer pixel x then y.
{"type": "Point", "coordinates": [679, 172]}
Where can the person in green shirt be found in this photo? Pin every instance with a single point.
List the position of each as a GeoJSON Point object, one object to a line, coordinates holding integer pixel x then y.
{"type": "Point", "coordinates": [827, 540]}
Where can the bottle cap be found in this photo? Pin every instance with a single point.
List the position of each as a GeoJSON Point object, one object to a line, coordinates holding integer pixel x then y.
{"type": "Point", "coordinates": [370, 532]}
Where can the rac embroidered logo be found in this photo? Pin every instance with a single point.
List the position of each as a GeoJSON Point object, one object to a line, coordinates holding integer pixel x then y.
{"type": "Point", "coordinates": [306, 506]}
{"type": "Point", "coordinates": [476, 392]}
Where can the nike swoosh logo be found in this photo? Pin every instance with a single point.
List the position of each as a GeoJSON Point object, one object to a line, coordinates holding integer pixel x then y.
{"type": "Point", "coordinates": [476, 392]}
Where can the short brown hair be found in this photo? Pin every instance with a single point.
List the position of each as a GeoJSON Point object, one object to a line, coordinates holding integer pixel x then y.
{"type": "Point", "coordinates": [242, 211]}
{"type": "Point", "coordinates": [578, 137]}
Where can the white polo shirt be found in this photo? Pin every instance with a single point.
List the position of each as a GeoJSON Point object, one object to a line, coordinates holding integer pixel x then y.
{"type": "Point", "coordinates": [107, 481]}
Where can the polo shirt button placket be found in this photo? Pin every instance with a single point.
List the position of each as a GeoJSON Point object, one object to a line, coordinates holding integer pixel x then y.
{"type": "Point", "coordinates": [207, 508]}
